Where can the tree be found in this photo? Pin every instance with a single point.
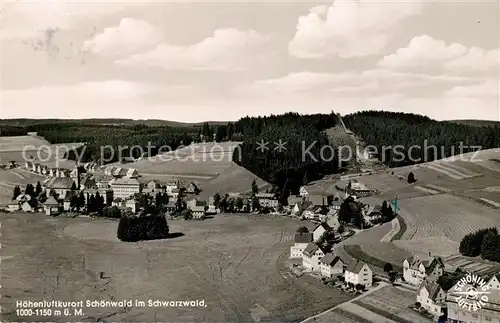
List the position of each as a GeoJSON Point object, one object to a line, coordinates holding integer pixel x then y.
{"type": "Point", "coordinates": [387, 212]}
{"type": "Point", "coordinates": [187, 214]}
{"type": "Point", "coordinates": [490, 248]}
{"type": "Point", "coordinates": [255, 188]}
{"type": "Point", "coordinates": [302, 230]}
{"type": "Point", "coordinates": [30, 190]}
{"type": "Point", "coordinates": [359, 287]}
{"type": "Point", "coordinates": [388, 268]}
{"type": "Point", "coordinates": [217, 199]}
{"type": "Point", "coordinates": [255, 204]}
{"type": "Point", "coordinates": [239, 203]}
{"type": "Point", "coordinates": [99, 202]}
{"type": "Point", "coordinates": [341, 229]}
{"type": "Point", "coordinates": [16, 193]}
{"type": "Point", "coordinates": [411, 178]}
{"type": "Point", "coordinates": [73, 186]}
{"type": "Point", "coordinates": [38, 189]}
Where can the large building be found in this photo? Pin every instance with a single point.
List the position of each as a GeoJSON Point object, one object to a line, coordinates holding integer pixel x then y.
{"type": "Point", "coordinates": [125, 187]}
{"type": "Point", "coordinates": [267, 200]}
{"type": "Point", "coordinates": [311, 257]}
{"type": "Point", "coordinates": [331, 265]}
{"type": "Point", "coordinates": [60, 185]}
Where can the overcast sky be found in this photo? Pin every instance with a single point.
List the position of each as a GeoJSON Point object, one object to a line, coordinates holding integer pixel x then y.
{"type": "Point", "coordinates": [224, 60]}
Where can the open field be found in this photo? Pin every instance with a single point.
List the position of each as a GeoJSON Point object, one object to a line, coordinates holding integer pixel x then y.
{"type": "Point", "coordinates": [18, 143]}
{"type": "Point", "coordinates": [9, 178]}
{"type": "Point", "coordinates": [232, 262]}
{"type": "Point", "coordinates": [392, 303]}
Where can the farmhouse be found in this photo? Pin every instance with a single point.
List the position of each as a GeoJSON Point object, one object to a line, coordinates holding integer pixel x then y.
{"type": "Point", "coordinates": [331, 265]}
{"type": "Point", "coordinates": [267, 199]}
{"type": "Point", "coordinates": [303, 191]}
{"type": "Point", "coordinates": [358, 272]}
{"type": "Point", "coordinates": [192, 188]}
{"type": "Point", "coordinates": [60, 185]}
{"type": "Point", "coordinates": [51, 206]}
{"type": "Point", "coordinates": [132, 173]}
{"type": "Point", "coordinates": [335, 205]}
{"type": "Point", "coordinates": [490, 312]}
{"type": "Point", "coordinates": [293, 200]}
{"type": "Point", "coordinates": [171, 186]}
{"type": "Point", "coordinates": [415, 271]}
{"type": "Point", "coordinates": [125, 187]}
{"type": "Point", "coordinates": [431, 297]}
{"type": "Point", "coordinates": [198, 212]}
{"type": "Point", "coordinates": [132, 204]}
{"type": "Point", "coordinates": [26, 207]}
{"type": "Point", "coordinates": [312, 212]}
{"type": "Point", "coordinates": [300, 207]}
{"type": "Point", "coordinates": [319, 230]}
{"type": "Point", "coordinates": [170, 207]}
{"type": "Point", "coordinates": [311, 257]}
{"type": "Point", "coordinates": [88, 184]}
{"type": "Point", "coordinates": [195, 203]}
{"type": "Point", "coordinates": [174, 193]}
{"type": "Point", "coordinates": [119, 172]}
{"type": "Point", "coordinates": [318, 200]}
{"type": "Point", "coordinates": [301, 242]}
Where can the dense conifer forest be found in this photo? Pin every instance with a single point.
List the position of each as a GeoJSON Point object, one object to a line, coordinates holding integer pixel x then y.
{"type": "Point", "coordinates": [388, 129]}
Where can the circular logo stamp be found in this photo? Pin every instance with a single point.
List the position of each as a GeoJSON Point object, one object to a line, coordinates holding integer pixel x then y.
{"type": "Point", "coordinates": [472, 292]}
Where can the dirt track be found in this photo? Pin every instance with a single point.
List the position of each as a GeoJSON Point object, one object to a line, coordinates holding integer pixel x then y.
{"type": "Point", "coordinates": [232, 262]}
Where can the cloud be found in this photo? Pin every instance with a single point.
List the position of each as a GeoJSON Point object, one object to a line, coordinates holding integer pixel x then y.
{"type": "Point", "coordinates": [25, 19]}
{"type": "Point", "coordinates": [131, 36]}
{"type": "Point", "coordinates": [426, 52]}
{"type": "Point", "coordinates": [351, 83]}
{"type": "Point", "coordinates": [350, 28]}
{"type": "Point", "coordinates": [228, 49]}
{"type": "Point", "coordinates": [490, 88]}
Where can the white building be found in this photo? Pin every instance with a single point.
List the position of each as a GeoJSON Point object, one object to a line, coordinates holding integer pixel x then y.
{"type": "Point", "coordinates": [267, 200]}
{"type": "Point", "coordinates": [358, 272]}
{"type": "Point", "coordinates": [51, 206]}
{"type": "Point", "coordinates": [303, 191]}
{"type": "Point", "coordinates": [320, 230]}
{"type": "Point", "coordinates": [171, 186]}
{"type": "Point", "coordinates": [132, 173]}
{"type": "Point", "coordinates": [301, 242]}
{"type": "Point", "coordinates": [415, 270]}
{"type": "Point", "coordinates": [488, 313]}
{"type": "Point", "coordinates": [132, 205]}
{"type": "Point", "coordinates": [431, 297]}
{"type": "Point", "coordinates": [331, 265]}
{"type": "Point", "coordinates": [311, 257]}
{"type": "Point", "coordinates": [125, 187]}
{"type": "Point", "coordinates": [198, 212]}
{"type": "Point", "coordinates": [61, 185]}
{"type": "Point", "coordinates": [13, 206]}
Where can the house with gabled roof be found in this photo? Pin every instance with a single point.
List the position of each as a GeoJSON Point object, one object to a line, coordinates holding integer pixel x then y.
{"type": "Point", "coordinates": [303, 191]}
{"type": "Point", "coordinates": [300, 207]}
{"type": "Point", "coordinates": [61, 185]}
{"type": "Point", "coordinates": [431, 297]}
{"type": "Point", "coordinates": [192, 188]}
{"type": "Point", "coordinates": [416, 270]}
{"type": "Point", "coordinates": [132, 173]}
{"type": "Point", "coordinates": [26, 207]}
{"type": "Point", "coordinates": [319, 230]}
{"type": "Point", "coordinates": [300, 243]}
{"type": "Point", "coordinates": [331, 265]}
{"type": "Point", "coordinates": [359, 273]}
{"type": "Point", "coordinates": [311, 257]}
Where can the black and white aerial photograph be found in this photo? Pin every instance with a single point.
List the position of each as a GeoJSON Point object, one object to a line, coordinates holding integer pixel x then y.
{"type": "Point", "coordinates": [253, 161]}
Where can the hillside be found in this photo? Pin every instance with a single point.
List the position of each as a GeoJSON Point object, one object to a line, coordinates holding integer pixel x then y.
{"type": "Point", "coordinates": [114, 122]}
{"type": "Point", "coordinates": [477, 123]}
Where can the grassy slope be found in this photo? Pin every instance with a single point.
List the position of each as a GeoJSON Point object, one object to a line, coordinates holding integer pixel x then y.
{"type": "Point", "coordinates": [477, 123]}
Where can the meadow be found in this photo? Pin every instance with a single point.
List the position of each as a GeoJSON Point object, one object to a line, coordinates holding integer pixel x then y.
{"type": "Point", "coordinates": [232, 262]}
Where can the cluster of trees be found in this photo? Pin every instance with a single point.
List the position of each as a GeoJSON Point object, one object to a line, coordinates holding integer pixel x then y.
{"type": "Point", "coordinates": [134, 140]}
{"type": "Point", "coordinates": [350, 213]}
{"type": "Point", "coordinates": [142, 227]}
{"type": "Point", "coordinates": [484, 242]}
{"type": "Point", "coordinates": [77, 201]}
{"type": "Point", "coordinates": [95, 203]}
{"type": "Point", "coordinates": [388, 129]}
{"type": "Point", "coordinates": [305, 155]}
{"type": "Point", "coordinates": [35, 193]}
{"type": "Point", "coordinates": [387, 213]}
{"type": "Point", "coordinates": [8, 131]}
